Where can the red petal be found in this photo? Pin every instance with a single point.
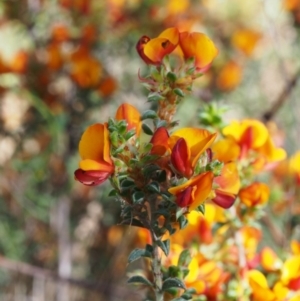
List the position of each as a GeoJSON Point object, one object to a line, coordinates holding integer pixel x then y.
{"type": "Point", "coordinates": [180, 158]}
{"type": "Point", "coordinates": [224, 200]}
{"type": "Point", "coordinates": [91, 177]}
{"type": "Point", "coordinates": [183, 198]}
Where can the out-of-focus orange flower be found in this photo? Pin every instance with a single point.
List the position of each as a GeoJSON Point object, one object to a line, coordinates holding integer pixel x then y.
{"type": "Point", "coordinates": [200, 226]}
{"type": "Point", "coordinates": [175, 7]}
{"type": "Point", "coordinates": [96, 164]}
{"type": "Point", "coordinates": [131, 115]}
{"type": "Point", "coordinates": [260, 287]}
{"type": "Point", "coordinates": [85, 69]}
{"type": "Point", "coordinates": [251, 134]}
{"type": "Point", "coordinates": [269, 260]}
{"type": "Point", "coordinates": [290, 276]}
{"type": "Point", "coordinates": [82, 6]}
{"type": "Point", "coordinates": [194, 191]}
{"type": "Point", "coordinates": [89, 34]}
{"type": "Point", "coordinates": [230, 76]}
{"type": "Point", "coordinates": [198, 46]}
{"type": "Point", "coordinates": [246, 40]}
{"type": "Point", "coordinates": [251, 237]}
{"type": "Point", "coordinates": [19, 62]}
{"type": "Point", "coordinates": [107, 86]}
{"type": "Point", "coordinates": [55, 58]}
{"type": "Point", "coordinates": [60, 33]}
{"type": "Point", "coordinates": [291, 4]}
{"type": "Point", "coordinates": [255, 194]}
{"type": "Point", "coordinates": [152, 51]}
{"type": "Point", "coordinates": [294, 166]}
{"type": "Point", "coordinates": [295, 247]}
{"type": "Point", "coordinates": [205, 276]}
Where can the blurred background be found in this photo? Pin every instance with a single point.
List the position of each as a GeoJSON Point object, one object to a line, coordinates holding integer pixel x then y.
{"type": "Point", "coordinates": [65, 64]}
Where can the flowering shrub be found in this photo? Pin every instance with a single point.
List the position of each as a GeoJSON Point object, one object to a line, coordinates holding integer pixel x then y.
{"type": "Point", "coordinates": [189, 184]}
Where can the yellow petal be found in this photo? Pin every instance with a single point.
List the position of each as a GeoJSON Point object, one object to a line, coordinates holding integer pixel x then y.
{"type": "Point", "coordinates": [198, 140]}
{"type": "Point", "coordinates": [88, 164]}
{"type": "Point", "coordinates": [259, 132]}
{"type": "Point", "coordinates": [131, 115]}
{"type": "Point", "coordinates": [226, 150]}
{"type": "Point", "coordinates": [95, 144]}
{"type": "Point", "coordinates": [199, 46]}
{"type": "Point", "coordinates": [172, 34]}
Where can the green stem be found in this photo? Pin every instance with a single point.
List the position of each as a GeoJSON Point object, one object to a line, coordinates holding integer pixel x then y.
{"type": "Point", "coordinates": [156, 270]}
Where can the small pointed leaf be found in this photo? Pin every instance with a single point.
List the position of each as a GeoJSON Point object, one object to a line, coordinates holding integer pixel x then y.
{"type": "Point", "coordinates": [147, 129]}
{"type": "Point", "coordinates": [149, 114]}
{"type": "Point", "coordinates": [139, 280]}
{"type": "Point", "coordinates": [178, 92]}
{"type": "Point", "coordinates": [138, 253]}
{"type": "Point", "coordinates": [172, 282]}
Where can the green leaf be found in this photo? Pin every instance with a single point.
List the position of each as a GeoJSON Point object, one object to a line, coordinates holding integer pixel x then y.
{"type": "Point", "coordinates": [172, 282]}
{"type": "Point", "coordinates": [129, 134]}
{"type": "Point", "coordinates": [201, 208]}
{"type": "Point", "coordinates": [160, 123]}
{"type": "Point", "coordinates": [183, 222]}
{"type": "Point", "coordinates": [114, 139]}
{"type": "Point", "coordinates": [184, 258]}
{"type": "Point", "coordinates": [149, 248]}
{"type": "Point", "coordinates": [153, 187]}
{"type": "Point", "coordinates": [138, 253]}
{"type": "Point", "coordinates": [179, 212]}
{"type": "Point", "coordinates": [191, 291]}
{"type": "Point", "coordinates": [138, 197]}
{"type": "Point", "coordinates": [149, 169]}
{"type": "Point", "coordinates": [173, 271]}
{"type": "Point", "coordinates": [171, 76]}
{"type": "Point", "coordinates": [179, 92]}
{"type": "Point", "coordinates": [113, 192]}
{"type": "Point", "coordinates": [139, 280]}
{"type": "Point", "coordinates": [155, 97]}
{"type": "Point", "coordinates": [149, 114]}
{"type": "Point", "coordinates": [164, 245]}
{"type": "Point", "coordinates": [147, 129]}
{"type": "Point", "coordinates": [127, 184]}
{"type": "Point", "coordinates": [186, 296]}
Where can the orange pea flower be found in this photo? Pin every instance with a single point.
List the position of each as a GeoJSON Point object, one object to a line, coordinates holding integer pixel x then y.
{"type": "Point", "coordinates": [159, 141]}
{"type": "Point", "coordinates": [187, 145]}
{"type": "Point", "coordinates": [195, 44]}
{"type": "Point", "coordinates": [194, 191]}
{"type": "Point", "coordinates": [152, 51]}
{"type": "Point", "coordinates": [96, 164]}
{"type": "Point", "coordinates": [228, 186]}
{"type": "Point", "coordinates": [255, 194]}
{"type": "Point", "coordinates": [198, 46]}
{"type": "Point", "coordinates": [131, 115]}
{"type": "Point", "coordinates": [251, 134]}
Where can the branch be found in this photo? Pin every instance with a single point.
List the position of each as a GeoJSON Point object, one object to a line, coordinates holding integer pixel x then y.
{"type": "Point", "coordinates": [38, 272]}
{"type": "Point", "coordinates": [291, 84]}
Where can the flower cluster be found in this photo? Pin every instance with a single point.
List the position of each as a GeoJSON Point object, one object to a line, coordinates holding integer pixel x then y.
{"type": "Point", "coordinates": [164, 175]}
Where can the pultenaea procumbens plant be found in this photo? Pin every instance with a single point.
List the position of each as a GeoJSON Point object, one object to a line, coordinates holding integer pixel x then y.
{"type": "Point", "coordinates": [162, 180]}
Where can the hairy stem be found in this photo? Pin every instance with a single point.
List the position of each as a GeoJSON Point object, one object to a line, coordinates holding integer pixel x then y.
{"type": "Point", "coordinates": [156, 270]}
